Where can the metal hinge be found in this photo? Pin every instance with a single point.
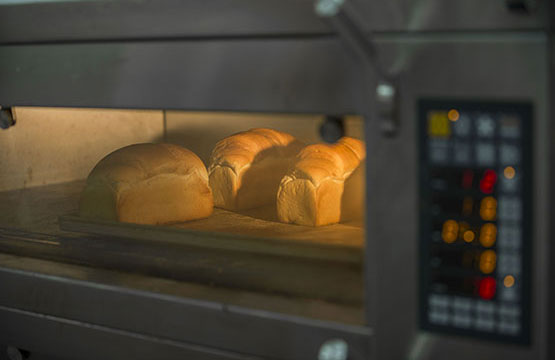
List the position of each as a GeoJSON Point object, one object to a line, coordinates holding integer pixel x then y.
{"type": "Point", "coordinates": [386, 92]}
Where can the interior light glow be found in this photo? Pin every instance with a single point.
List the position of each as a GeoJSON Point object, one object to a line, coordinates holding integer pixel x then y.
{"type": "Point", "coordinates": [488, 208]}
{"type": "Point", "coordinates": [488, 235]}
{"type": "Point", "coordinates": [450, 231]}
{"type": "Point", "coordinates": [509, 281]}
{"type": "Point", "coordinates": [509, 172]}
{"type": "Point", "coordinates": [453, 115]}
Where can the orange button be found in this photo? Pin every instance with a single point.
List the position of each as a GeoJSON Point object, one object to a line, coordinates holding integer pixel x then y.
{"type": "Point", "coordinates": [488, 208]}
{"type": "Point", "coordinates": [450, 231]}
{"type": "Point", "coordinates": [488, 260]}
{"type": "Point", "coordinates": [488, 235]}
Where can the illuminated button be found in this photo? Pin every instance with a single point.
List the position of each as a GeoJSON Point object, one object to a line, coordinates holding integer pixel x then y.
{"type": "Point", "coordinates": [486, 289]}
{"type": "Point", "coordinates": [487, 261]}
{"type": "Point", "coordinates": [488, 208]}
{"type": "Point", "coordinates": [453, 115]}
{"type": "Point", "coordinates": [469, 236]}
{"type": "Point", "coordinates": [509, 172]}
{"type": "Point", "coordinates": [488, 235]}
{"type": "Point", "coordinates": [488, 181]}
{"type": "Point", "coordinates": [509, 281]}
{"type": "Point", "coordinates": [450, 231]}
{"type": "Point", "coordinates": [438, 124]}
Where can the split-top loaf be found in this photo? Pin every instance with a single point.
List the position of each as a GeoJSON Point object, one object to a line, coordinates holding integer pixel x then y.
{"type": "Point", "coordinates": [325, 185]}
{"type": "Point", "coordinates": [246, 168]}
{"type": "Point", "coordinates": [148, 184]}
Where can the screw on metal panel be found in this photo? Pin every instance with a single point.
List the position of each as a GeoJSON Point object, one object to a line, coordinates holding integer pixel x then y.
{"type": "Point", "coordinates": [327, 8]}
{"type": "Point", "coordinates": [332, 129]}
{"type": "Point", "coordinates": [334, 349]}
{"type": "Point", "coordinates": [17, 354]}
{"type": "Point", "coordinates": [7, 118]}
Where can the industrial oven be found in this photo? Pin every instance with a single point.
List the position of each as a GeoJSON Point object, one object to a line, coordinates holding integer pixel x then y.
{"type": "Point", "coordinates": [451, 261]}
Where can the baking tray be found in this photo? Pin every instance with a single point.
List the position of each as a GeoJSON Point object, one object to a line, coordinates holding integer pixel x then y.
{"type": "Point", "coordinates": [254, 231]}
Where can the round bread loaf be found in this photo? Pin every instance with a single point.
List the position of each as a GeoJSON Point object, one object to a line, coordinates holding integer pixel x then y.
{"type": "Point", "coordinates": [148, 184]}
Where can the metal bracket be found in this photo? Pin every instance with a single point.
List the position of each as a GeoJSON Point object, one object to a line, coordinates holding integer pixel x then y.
{"type": "Point", "coordinates": [7, 117]}
{"type": "Point", "coordinates": [386, 93]}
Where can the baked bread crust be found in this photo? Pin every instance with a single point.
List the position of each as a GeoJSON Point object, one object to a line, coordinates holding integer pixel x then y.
{"type": "Point", "coordinates": [312, 192]}
{"type": "Point", "coordinates": [246, 168]}
{"type": "Point", "coordinates": [148, 184]}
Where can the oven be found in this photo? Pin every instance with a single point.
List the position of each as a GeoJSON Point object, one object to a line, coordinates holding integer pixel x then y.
{"type": "Point", "coordinates": [452, 257]}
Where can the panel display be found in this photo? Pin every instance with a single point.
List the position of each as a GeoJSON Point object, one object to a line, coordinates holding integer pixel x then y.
{"type": "Point", "coordinates": [475, 216]}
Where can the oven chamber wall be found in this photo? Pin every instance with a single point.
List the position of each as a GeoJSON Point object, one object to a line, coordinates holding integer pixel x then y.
{"type": "Point", "coordinates": [320, 75]}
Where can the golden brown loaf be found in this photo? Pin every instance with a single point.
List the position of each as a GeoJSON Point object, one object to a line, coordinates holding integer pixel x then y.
{"type": "Point", "coordinates": [312, 192]}
{"type": "Point", "coordinates": [148, 184]}
{"type": "Point", "coordinates": [246, 168]}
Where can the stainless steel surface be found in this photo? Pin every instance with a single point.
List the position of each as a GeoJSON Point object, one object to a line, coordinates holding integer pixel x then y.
{"type": "Point", "coordinates": [94, 307]}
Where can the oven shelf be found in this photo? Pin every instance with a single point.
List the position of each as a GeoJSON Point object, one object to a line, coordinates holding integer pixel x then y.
{"type": "Point", "coordinates": [228, 250]}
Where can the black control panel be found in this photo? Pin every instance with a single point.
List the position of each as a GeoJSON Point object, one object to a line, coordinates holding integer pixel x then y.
{"type": "Point", "coordinates": [475, 218]}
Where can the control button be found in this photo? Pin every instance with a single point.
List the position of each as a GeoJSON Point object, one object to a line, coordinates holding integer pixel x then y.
{"type": "Point", "coordinates": [509, 311]}
{"type": "Point", "coordinates": [462, 321]}
{"type": "Point", "coordinates": [485, 309]}
{"type": "Point", "coordinates": [485, 154]}
{"type": "Point", "coordinates": [509, 155]}
{"type": "Point", "coordinates": [509, 327]}
{"type": "Point", "coordinates": [488, 235]}
{"type": "Point", "coordinates": [450, 231]}
{"type": "Point", "coordinates": [438, 124]}
{"type": "Point", "coordinates": [509, 237]}
{"type": "Point", "coordinates": [440, 318]}
{"type": "Point", "coordinates": [440, 301]}
{"type": "Point", "coordinates": [510, 208]}
{"type": "Point", "coordinates": [439, 151]}
{"type": "Point", "coordinates": [462, 153]}
{"type": "Point", "coordinates": [509, 293]}
{"type": "Point", "coordinates": [509, 263]}
{"type": "Point", "coordinates": [488, 208]}
{"type": "Point", "coordinates": [510, 127]}
{"type": "Point", "coordinates": [509, 184]}
{"type": "Point", "coordinates": [462, 305]}
{"type": "Point", "coordinates": [484, 324]}
{"type": "Point", "coordinates": [485, 126]}
{"type": "Point", "coordinates": [488, 260]}
{"type": "Point", "coordinates": [462, 126]}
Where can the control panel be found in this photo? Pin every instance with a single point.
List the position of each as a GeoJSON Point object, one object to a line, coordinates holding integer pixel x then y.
{"type": "Point", "coordinates": [475, 218]}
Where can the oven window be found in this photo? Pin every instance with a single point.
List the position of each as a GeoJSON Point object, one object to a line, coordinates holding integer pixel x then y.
{"type": "Point", "coordinates": [257, 210]}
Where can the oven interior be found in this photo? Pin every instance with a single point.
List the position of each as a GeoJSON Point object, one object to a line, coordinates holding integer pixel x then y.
{"type": "Point", "coordinates": [245, 258]}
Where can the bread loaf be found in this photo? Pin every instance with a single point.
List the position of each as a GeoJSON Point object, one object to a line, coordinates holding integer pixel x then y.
{"type": "Point", "coordinates": [148, 184]}
{"type": "Point", "coordinates": [312, 192]}
{"type": "Point", "coordinates": [246, 168]}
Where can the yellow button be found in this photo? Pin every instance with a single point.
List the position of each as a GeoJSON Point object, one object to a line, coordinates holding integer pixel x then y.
{"type": "Point", "coordinates": [487, 261]}
{"type": "Point", "coordinates": [438, 124]}
{"type": "Point", "coordinates": [488, 208]}
{"type": "Point", "coordinates": [488, 235]}
{"type": "Point", "coordinates": [509, 172]}
{"type": "Point", "coordinates": [450, 231]}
